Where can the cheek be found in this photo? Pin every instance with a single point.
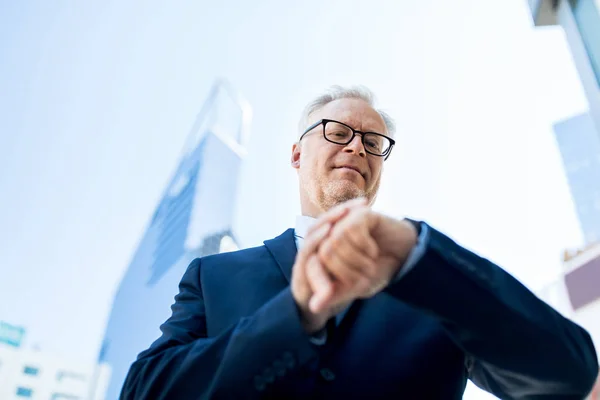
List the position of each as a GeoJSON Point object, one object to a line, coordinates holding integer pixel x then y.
{"type": "Point", "coordinates": [310, 166]}
{"type": "Point", "coordinates": [318, 159]}
{"type": "Point", "coordinates": [376, 168]}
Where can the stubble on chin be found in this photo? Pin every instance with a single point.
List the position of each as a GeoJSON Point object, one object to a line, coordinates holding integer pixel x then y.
{"type": "Point", "coordinates": [337, 192]}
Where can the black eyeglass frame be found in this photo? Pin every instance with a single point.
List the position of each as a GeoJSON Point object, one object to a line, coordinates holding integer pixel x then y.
{"type": "Point", "coordinates": [324, 122]}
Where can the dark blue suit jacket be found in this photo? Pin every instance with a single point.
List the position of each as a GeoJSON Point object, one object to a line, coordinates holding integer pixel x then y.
{"type": "Point", "coordinates": [235, 332]}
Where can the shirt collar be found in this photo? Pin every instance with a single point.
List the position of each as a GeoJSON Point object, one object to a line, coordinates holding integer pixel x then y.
{"type": "Point", "coordinates": [303, 224]}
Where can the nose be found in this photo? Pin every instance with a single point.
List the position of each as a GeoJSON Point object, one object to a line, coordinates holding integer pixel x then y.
{"type": "Point", "coordinates": [356, 146]}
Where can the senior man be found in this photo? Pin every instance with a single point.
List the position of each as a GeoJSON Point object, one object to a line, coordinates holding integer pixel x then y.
{"type": "Point", "coordinates": [355, 304]}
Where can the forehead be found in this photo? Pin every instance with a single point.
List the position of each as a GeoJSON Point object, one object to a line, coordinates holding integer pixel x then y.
{"type": "Point", "coordinates": [354, 112]}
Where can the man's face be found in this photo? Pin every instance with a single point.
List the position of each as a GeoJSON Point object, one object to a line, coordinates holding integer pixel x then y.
{"type": "Point", "coordinates": [327, 171]}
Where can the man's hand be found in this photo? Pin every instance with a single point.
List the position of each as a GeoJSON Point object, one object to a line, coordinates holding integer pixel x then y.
{"type": "Point", "coordinates": [307, 263]}
{"type": "Point", "coordinates": [359, 257]}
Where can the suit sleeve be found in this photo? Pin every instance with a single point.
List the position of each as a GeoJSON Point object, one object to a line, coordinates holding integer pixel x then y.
{"type": "Point", "coordinates": [239, 363]}
{"type": "Point", "coordinates": [517, 346]}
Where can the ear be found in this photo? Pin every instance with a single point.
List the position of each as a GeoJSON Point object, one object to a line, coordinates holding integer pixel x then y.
{"type": "Point", "coordinates": [295, 160]}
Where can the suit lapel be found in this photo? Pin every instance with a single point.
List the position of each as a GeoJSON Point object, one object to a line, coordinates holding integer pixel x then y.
{"type": "Point", "coordinates": [283, 249]}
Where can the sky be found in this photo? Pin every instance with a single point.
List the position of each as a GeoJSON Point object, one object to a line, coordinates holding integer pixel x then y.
{"type": "Point", "coordinates": [97, 99]}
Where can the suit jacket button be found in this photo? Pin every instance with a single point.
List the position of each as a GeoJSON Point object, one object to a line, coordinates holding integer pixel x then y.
{"type": "Point", "coordinates": [269, 375]}
{"type": "Point", "coordinates": [279, 368]}
{"type": "Point", "coordinates": [327, 374]}
{"type": "Point", "coordinates": [259, 383]}
{"type": "Point", "coordinates": [288, 360]}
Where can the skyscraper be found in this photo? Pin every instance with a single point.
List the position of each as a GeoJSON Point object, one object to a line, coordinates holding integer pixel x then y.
{"type": "Point", "coordinates": [580, 20]}
{"type": "Point", "coordinates": [194, 218]}
{"type": "Point", "coordinates": [579, 146]}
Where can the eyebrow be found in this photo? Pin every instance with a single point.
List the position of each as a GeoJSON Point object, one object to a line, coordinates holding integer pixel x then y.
{"type": "Point", "coordinates": [381, 132]}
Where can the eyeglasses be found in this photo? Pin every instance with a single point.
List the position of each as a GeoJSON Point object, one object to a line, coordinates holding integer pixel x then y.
{"type": "Point", "coordinates": [342, 134]}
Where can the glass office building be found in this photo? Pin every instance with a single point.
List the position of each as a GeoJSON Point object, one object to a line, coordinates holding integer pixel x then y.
{"type": "Point", "coordinates": [580, 150]}
{"type": "Point", "coordinates": [579, 146]}
{"type": "Point", "coordinates": [580, 20]}
{"type": "Point", "coordinates": [194, 218]}
{"type": "Point", "coordinates": [577, 289]}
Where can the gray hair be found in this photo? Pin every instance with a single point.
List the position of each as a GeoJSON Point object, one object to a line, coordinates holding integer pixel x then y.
{"type": "Point", "coordinates": [339, 92]}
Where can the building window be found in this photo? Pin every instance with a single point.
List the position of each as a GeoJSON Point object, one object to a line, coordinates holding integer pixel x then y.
{"type": "Point", "coordinates": [63, 396]}
{"type": "Point", "coordinates": [33, 371]}
{"type": "Point", "coordinates": [60, 375]}
{"type": "Point", "coordinates": [24, 392]}
{"type": "Point", "coordinates": [588, 23]}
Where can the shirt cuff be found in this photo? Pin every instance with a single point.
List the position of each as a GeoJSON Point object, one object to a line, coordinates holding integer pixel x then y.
{"type": "Point", "coordinates": [415, 254]}
{"type": "Point", "coordinates": [319, 338]}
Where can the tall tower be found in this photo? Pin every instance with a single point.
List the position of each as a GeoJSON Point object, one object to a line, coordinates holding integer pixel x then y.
{"type": "Point", "coordinates": [194, 218]}
{"type": "Point", "coordinates": [580, 21]}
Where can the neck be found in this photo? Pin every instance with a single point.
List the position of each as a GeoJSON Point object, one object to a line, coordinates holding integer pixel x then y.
{"type": "Point", "coordinates": [310, 210]}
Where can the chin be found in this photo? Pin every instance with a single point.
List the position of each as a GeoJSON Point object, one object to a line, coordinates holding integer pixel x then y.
{"type": "Point", "coordinates": [338, 192]}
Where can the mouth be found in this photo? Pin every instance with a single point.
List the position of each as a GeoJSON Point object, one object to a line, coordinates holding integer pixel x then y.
{"type": "Point", "coordinates": [351, 168]}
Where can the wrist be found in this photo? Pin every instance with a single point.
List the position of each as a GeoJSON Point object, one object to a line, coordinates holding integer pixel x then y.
{"type": "Point", "coordinates": [415, 224]}
{"type": "Point", "coordinates": [408, 232]}
{"type": "Point", "coordinates": [311, 323]}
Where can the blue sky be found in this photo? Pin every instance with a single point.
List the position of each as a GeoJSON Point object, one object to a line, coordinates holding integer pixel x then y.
{"type": "Point", "coordinates": [97, 98]}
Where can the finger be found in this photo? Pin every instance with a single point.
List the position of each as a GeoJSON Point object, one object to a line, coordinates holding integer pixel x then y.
{"type": "Point", "coordinates": [359, 251]}
{"type": "Point", "coordinates": [350, 245]}
{"type": "Point", "coordinates": [311, 243]}
{"type": "Point", "coordinates": [338, 267]}
{"type": "Point", "coordinates": [361, 238]}
{"type": "Point", "coordinates": [345, 255]}
{"type": "Point", "coordinates": [300, 286]}
{"type": "Point", "coordinates": [340, 299]}
{"type": "Point", "coordinates": [320, 281]}
{"type": "Point", "coordinates": [300, 282]}
{"type": "Point", "coordinates": [353, 269]}
{"type": "Point", "coordinates": [354, 229]}
{"type": "Point", "coordinates": [336, 213]}
{"type": "Point", "coordinates": [321, 284]}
